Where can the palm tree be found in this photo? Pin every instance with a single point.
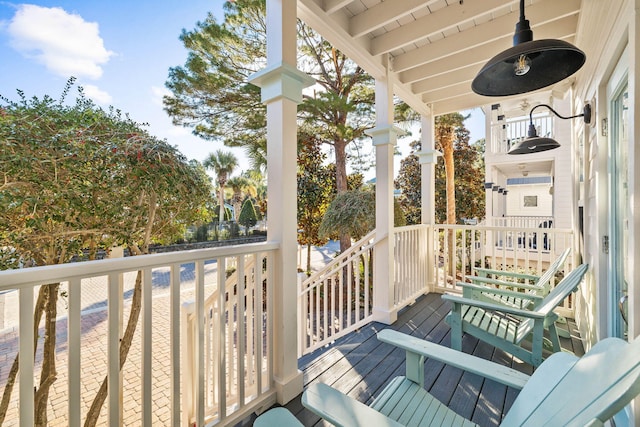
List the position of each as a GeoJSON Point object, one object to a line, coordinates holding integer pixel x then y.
{"type": "Point", "coordinates": [239, 185]}
{"type": "Point", "coordinates": [446, 127]}
{"type": "Point", "coordinates": [222, 164]}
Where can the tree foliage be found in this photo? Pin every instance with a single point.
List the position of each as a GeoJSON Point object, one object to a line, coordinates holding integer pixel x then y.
{"type": "Point", "coordinates": [469, 179]}
{"type": "Point", "coordinates": [408, 181]}
{"type": "Point", "coordinates": [222, 163]}
{"type": "Point", "coordinates": [247, 217]}
{"type": "Point", "coordinates": [351, 212]}
{"type": "Point", "coordinates": [354, 212]}
{"type": "Point", "coordinates": [78, 177]}
{"type": "Point", "coordinates": [211, 94]}
{"type": "Point", "coordinates": [468, 183]}
{"type": "Point", "coordinates": [314, 194]}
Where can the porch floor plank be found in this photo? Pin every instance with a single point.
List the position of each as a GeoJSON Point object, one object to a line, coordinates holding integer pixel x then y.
{"type": "Point", "coordinates": [360, 366]}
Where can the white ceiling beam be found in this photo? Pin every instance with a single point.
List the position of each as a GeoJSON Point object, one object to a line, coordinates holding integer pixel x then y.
{"type": "Point", "coordinates": [444, 93]}
{"type": "Point", "coordinates": [433, 23]}
{"type": "Point", "coordinates": [332, 6]}
{"type": "Point", "coordinates": [487, 51]}
{"type": "Point", "coordinates": [459, 103]}
{"type": "Point", "coordinates": [383, 13]}
{"type": "Point", "coordinates": [445, 80]}
{"type": "Point", "coordinates": [333, 30]}
{"type": "Point", "coordinates": [542, 13]}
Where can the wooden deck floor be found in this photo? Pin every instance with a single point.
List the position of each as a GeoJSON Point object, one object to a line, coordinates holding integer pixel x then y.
{"type": "Point", "coordinates": [360, 366]}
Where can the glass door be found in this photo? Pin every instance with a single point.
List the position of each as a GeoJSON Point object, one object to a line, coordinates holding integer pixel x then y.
{"type": "Point", "coordinates": [619, 206]}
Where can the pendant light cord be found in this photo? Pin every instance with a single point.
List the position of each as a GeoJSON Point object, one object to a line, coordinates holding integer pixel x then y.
{"type": "Point", "coordinates": [522, 18]}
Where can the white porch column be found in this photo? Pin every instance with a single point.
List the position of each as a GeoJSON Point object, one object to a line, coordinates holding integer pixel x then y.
{"type": "Point", "coordinates": [384, 139]}
{"type": "Point", "coordinates": [282, 86]}
{"type": "Point", "coordinates": [488, 173]}
{"type": "Point", "coordinates": [428, 158]}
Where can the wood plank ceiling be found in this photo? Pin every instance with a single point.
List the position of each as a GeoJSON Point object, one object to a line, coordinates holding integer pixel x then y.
{"type": "Point", "coordinates": [434, 48]}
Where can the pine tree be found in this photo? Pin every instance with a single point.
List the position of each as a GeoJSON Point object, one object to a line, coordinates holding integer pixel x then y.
{"type": "Point", "coordinates": [248, 217]}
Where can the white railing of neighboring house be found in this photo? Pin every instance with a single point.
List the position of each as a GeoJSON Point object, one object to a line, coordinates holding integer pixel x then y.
{"type": "Point", "coordinates": [505, 133]}
{"type": "Point", "coordinates": [528, 250]}
{"type": "Point", "coordinates": [519, 221]}
{"type": "Point", "coordinates": [242, 329]}
{"type": "Point", "coordinates": [337, 299]}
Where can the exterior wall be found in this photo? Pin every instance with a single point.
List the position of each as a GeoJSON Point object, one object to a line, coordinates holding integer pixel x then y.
{"type": "Point", "coordinates": [613, 21]}
{"type": "Point", "coordinates": [564, 201]}
{"type": "Point", "coordinates": [516, 205]}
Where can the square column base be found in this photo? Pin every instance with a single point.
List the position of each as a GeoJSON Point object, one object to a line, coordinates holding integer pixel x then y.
{"type": "Point", "coordinates": [384, 316]}
{"type": "Point", "coordinates": [289, 389]}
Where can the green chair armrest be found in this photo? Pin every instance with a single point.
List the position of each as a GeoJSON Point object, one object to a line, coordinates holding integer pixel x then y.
{"type": "Point", "coordinates": [425, 349]}
{"type": "Point", "coordinates": [497, 291]}
{"type": "Point", "coordinates": [487, 271]}
{"type": "Point", "coordinates": [497, 282]}
{"type": "Point", "coordinates": [280, 417]}
{"type": "Point", "coordinates": [458, 301]}
{"type": "Point", "coordinates": [341, 410]}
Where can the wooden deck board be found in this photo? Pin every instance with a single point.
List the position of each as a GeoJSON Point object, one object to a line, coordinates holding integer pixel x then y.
{"type": "Point", "coordinates": [360, 366]}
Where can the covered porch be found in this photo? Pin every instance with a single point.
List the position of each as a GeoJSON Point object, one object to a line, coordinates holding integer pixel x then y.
{"type": "Point", "coordinates": [250, 323]}
{"type": "Point", "coordinates": [360, 366]}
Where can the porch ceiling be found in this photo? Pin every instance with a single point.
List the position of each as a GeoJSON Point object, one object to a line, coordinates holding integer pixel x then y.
{"type": "Point", "coordinates": [528, 168]}
{"type": "Point", "coordinates": [436, 47]}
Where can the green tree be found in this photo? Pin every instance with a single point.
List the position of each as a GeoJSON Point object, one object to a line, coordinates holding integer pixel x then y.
{"type": "Point", "coordinates": [468, 182]}
{"type": "Point", "coordinates": [239, 186]}
{"type": "Point", "coordinates": [247, 216]}
{"type": "Point", "coordinates": [314, 194]}
{"type": "Point", "coordinates": [469, 179]}
{"type": "Point", "coordinates": [211, 94]}
{"type": "Point", "coordinates": [408, 182]}
{"type": "Point", "coordinates": [222, 163]}
{"type": "Point", "coordinates": [75, 177]}
{"type": "Point", "coordinates": [354, 212]}
{"type": "Point", "coordinates": [259, 191]}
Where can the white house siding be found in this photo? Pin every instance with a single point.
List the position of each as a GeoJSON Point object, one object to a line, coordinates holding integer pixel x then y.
{"type": "Point", "coordinates": [587, 307]}
{"type": "Point", "coordinates": [516, 197]}
{"type": "Point", "coordinates": [617, 22]}
{"type": "Point", "coordinates": [563, 198]}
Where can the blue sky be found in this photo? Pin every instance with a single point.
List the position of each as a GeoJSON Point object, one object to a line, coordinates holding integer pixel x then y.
{"type": "Point", "coordinates": [120, 51]}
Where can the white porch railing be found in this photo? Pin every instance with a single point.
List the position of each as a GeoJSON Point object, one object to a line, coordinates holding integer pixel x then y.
{"type": "Point", "coordinates": [338, 299]}
{"type": "Point", "coordinates": [236, 340]}
{"type": "Point", "coordinates": [150, 382]}
{"type": "Point", "coordinates": [427, 259]}
{"type": "Point", "coordinates": [519, 221]}
{"type": "Point", "coordinates": [526, 249]}
{"type": "Point", "coordinates": [507, 132]}
{"type": "Point", "coordinates": [413, 269]}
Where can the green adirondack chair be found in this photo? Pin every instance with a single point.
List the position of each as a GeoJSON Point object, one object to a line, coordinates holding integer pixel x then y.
{"type": "Point", "coordinates": [520, 295]}
{"type": "Point", "coordinates": [508, 327]}
{"type": "Point", "coordinates": [564, 391]}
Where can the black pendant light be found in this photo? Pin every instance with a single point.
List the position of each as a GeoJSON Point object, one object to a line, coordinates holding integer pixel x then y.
{"type": "Point", "coordinates": [528, 65]}
{"type": "Point", "coordinates": [535, 144]}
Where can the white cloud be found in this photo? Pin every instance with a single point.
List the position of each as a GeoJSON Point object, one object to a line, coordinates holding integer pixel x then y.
{"type": "Point", "coordinates": [65, 43]}
{"type": "Point", "coordinates": [157, 93]}
{"type": "Point", "coordinates": [98, 95]}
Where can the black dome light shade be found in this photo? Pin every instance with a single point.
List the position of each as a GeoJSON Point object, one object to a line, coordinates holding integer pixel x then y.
{"type": "Point", "coordinates": [536, 144]}
{"type": "Point", "coordinates": [529, 65]}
